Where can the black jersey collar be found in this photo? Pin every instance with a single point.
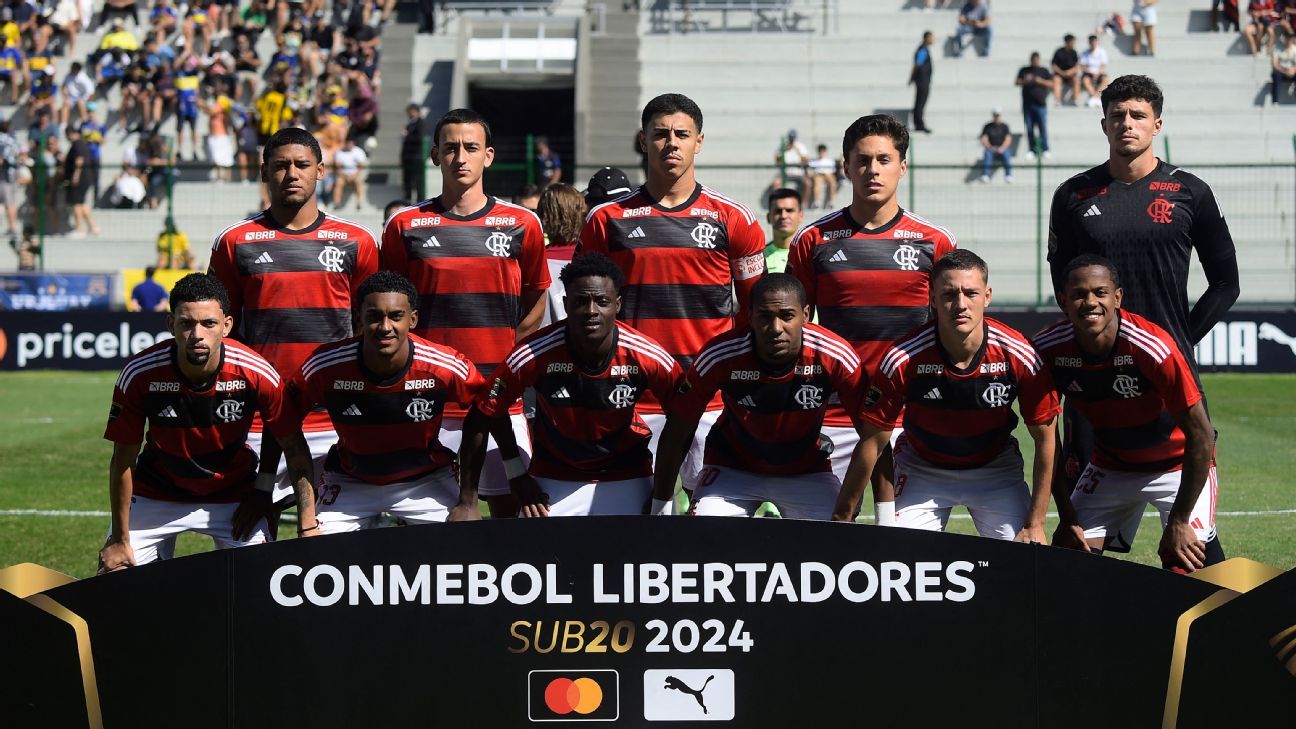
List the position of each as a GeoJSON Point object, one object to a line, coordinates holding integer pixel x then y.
{"type": "Point", "coordinates": [390, 380]}
{"type": "Point", "coordinates": [441, 210]}
{"type": "Point", "coordinates": [976, 358]}
{"type": "Point", "coordinates": [656, 204]}
{"type": "Point", "coordinates": [202, 386]}
{"type": "Point", "coordinates": [274, 224]}
{"type": "Point", "coordinates": [607, 360]}
{"type": "Point", "coordinates": [856, 225]}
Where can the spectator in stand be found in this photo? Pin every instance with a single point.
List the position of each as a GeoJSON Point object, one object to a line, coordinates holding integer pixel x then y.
{"type": "Point", "coordinates": [973, 20]}
{"type": "Point", "coordinates": [1230, 19]}
{"type": "Point", "coordinates": [321, 39]}
{"type": "Point", "coordinates": [1066, 70]}
{"type": "Point", "coordinates": [363, 115]}
{"type": "Point", "coordinates": [186, 82]}
{"type": "Point", "coordinates": [528, 196]}
{"type": "Point", "coordinates": [173, 247]}
{"type": "Point", "coordinates": [1287, 18]}
{"type": "Point", "coordinates": [996, 143]}
{"type": "Point", "coordinates": [9, 29]}
{"type": "Point", "coordinates": [1093, 63]}
{"type": "Point", "coordinates": [24, 15]}
{"type": "Point", "coordinates": [561, 210]}
{"type": "Point", "coordinates": [413, 154]}
{"type": "Point", "coordinates": [196, 29]}
{"type": "Point", "coordinates": [821, 180]}
{"type": "Point", "coordinates": [92, 131]}
{"type": "Point", "coordinates": [1284, 67]}
{"type": "Point", "coordinates": [13, 68]}
{"type": "Point", "coordinates": [920, 76]}
{"type": "Point", "coordinates": [118, 38]}
{"type": "Point", "coordinates": [44, 93]}
{"type": "Point", "coordinates": [28, 249]}
{"type": "Point", "coordinates": [249, 161]}
{"type": "Point", "coordinates": [76, 178]}
{"type": "Point", "coordinates": [11, 159]}
{"type": "Point", "coordinates": [791, 159]}
{"type": "Point", "coordinates": [78, 89]}
{"type": "Point", "coordinates": [128, 190]}
{"type": "Point", "coordinates": [548, 163]}
{"type": "Point", "coordinates": [148, 295]}
{"type": "Point", "coordinates": [272, 112]}
{"type": "Point", "coordinates": [785, 219]}
{"type": "Point", "coordinates": [247, 65]}
{"type": "Point", "coordinates": [1036, 84]}
{"type": "Point", "coordinates": [220, 121]}
{"type": "Point", "coordinates": [158, 163]}
{"type": "Point", "coordinates": [349, 167]}
{"type": "Point", "coordinates": [1144, 18]}
{"type": "Point", "coordinates": [115, 10]}
{"type": "Point", "coordinates": [163, 20]}
{"type": "Point", "coordinates": [1264, 16]}
{"type": "Point", "coordinates": [66, 21]}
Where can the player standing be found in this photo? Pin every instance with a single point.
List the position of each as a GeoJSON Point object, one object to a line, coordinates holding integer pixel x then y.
{"type": "Point", "coordinates": [1146, 217]}
{"type": "Point", "coordinates": [1153, 442]}
{"type": "Point", "coordinates": [196, 394]}
{"type": "Point", "coordinates": [775, 377]}
{"type": "Point", "coordinates": [291, 272]}
{"type": "Point", "coordinates": [685, 249]}
{"type": "Point", "coordinates": [386, 390]}
{"type": "Point", "coordinates": [478, 264]}
{"type": "Point", "coordinates": [591, 452]}
{"type": "Point", "coordinates": [955, 380]}
{"type": "Point", "coordinates": [866, 268]}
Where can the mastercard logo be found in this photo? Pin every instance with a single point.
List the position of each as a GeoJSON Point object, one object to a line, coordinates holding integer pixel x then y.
{"type": "Point", "coordinates": [583, 696]}
{"type": "Point", "coordinates": [591, 695]}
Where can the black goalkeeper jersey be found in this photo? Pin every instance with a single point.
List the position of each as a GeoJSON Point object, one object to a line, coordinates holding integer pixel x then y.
{"type": "Point", "coordinates": [1149, 229]}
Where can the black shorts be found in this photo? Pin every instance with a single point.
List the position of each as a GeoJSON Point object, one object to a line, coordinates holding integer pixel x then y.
{"type": "Point", "coordinates": [77, 195]}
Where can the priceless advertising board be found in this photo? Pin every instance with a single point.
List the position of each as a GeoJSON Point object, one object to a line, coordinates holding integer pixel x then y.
{"type": "Point", "coordinates": [81, 340]}
{"type": "Point", "coordinates": [641, 621]}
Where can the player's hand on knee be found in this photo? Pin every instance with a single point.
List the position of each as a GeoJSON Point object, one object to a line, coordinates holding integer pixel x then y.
{"type": "Point", "coordinates": [464, 512]}
{"type": "Point", "coordinates": [534, 501]}
{"type": "Point", "coordinates": [116, 555]}
{"type": "Point", "coordinates": [1181, 548]}
{"type": "Point", "coordinates": [254, 507]}
{"type": "Point", "coordinates": [1070, 536]}
{"type": "Point", "coordinates": [1031, 535]}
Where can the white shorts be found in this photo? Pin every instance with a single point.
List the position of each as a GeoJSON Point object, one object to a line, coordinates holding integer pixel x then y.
{"type": "Point", "coordinates": [603, 498]}
{"type": "Point", "coordinates": [155, 524]}
{"type": "Point", "coordinates": [844, 441]}
{"type": "Point", "coordinates": [221, 150]}
{"type": "Point", "coordinates": [725, 491]}
{"type": "Point", "coordinates": [347, 504]}
{"type": "Point", "coordinates": [493, 481]}
{"type": "Point", "coordinates": [319, 443]}
{"type": "Point", "coordinates": [692, 465]}
{"type": "Point", "coordinates": [1147, 16]}
{"type": "Point", "coordinates": [1110, 504]}
{"type": "Point", "coordinates": [996, 493]}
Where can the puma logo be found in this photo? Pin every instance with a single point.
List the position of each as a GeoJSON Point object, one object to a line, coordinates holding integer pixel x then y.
{"type": "Point", "coordinates": [675, 684]}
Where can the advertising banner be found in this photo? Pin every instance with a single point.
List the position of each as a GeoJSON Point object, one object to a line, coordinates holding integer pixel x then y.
{"type": "Point", "coordinates": [55, 292]}
{"type": "Point", "coordinates": [81, 340]}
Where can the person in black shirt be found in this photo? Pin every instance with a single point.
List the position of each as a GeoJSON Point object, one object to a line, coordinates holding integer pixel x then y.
{"type": "Point", "coordinates": [1066, 70]}
{"type": "Point", "coordinates": [413, 152]}
{"type": "Point", "coordinates": [1146, 217]}
{"type": "Point", "coordinates": [920, 77]}
{"type": "Point", "coordinates": [1036, 83]}
{"type": "Point", "coordinates": [77, 179]}
{"type": "Point", "coordinates": [996, 141]}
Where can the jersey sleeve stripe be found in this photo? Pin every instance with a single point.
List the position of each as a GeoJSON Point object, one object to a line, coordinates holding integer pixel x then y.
{"type": "Point", "coordinates": [829, 344]}
{"type": "Point", "coordinates": [747, 214]}
{"type": "Point", "coordinates": [124, 381]}
{"type": "Point", "coordinates": [644, 341]}
{"type": "Point", "coordinates": [528, 351]}
{"type": "Point", "coordinates": [462, 373]}
{"type": "Point", "coordinates": [141, 362]}
{"type": "Point", "coordinates": [949, 234]}
{"type": "Point", "coordinates": [221, 235]}
{"type": "Point", "coordinates": [706, 355]}
{"type": "Point", "coordinates": [322, 361]}
{"type": "Point", "coordinates": [445, 360]}
{"type": "Point", "coordinates": [1053, 338]}
{"type": "Point", "coordinates": [907, 348]}
{"type": "Point", "coordinates": [1148, 337]}
{"type": "Point", "coordinates": [818, 347]}
{"type": "Point", "coordinates": [633, 347]}
{"type": "Point", "coordinates": [1158, 354]}
{"type": "Point", "coordinates": [1020, 350]}
{"type": "Point", "coordinates": [703, 370]}
{"type": "Point", "coordinates": [258, 365]}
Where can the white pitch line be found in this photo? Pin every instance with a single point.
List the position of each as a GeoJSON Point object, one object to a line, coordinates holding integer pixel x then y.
{"type": "Point", "coordinates": [291, 517]}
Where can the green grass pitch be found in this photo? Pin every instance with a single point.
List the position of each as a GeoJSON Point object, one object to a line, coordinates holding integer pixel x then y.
{"type": "Point", "coordinates": [53, 458]}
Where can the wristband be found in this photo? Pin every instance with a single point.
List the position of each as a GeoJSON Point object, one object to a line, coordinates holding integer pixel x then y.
{"type": "Point", "coordinates": [662, 507]}
{"type": "Point", "coordinates": [513, 468]}
{"type": "Point", "coordinates": [884, 512]}
{"type": "Point", "coordinates": [266, 482]}
{"type": "Point", "coordinates": [308, 529]}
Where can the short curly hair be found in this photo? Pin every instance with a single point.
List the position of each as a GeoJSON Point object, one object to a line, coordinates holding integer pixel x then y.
{"type": "Point", "coordinates": [1142, 88]}
{"type": "Point", "coordinates": [591, 264]}
{"type": "Point", "coordinates": [387, 282]}
{"type": "Point", "coordinates": [199, 287]}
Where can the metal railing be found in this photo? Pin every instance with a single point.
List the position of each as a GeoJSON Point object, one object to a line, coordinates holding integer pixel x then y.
{"type": "Point", "coordinates": [672, 17]}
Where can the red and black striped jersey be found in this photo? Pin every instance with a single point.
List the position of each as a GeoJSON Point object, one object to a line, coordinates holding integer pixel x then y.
{"type": "Point", "coordinates": [683, 266]}
{"type": "Point", "coordinates": [960, 418]}
{"type": "Point", "coordinates": [470, 272]}
{"type": "Point", "coordinates": [585, 427]}
{"type": "Point", "coordinates": [388, 429]}
{"type": "Point", "coordinates": [771, 419]}
{"type": "Point", "coordinates": [291, 290]}
{"type": "Point", "coordinates": [869, 287]}
{"type": "Point", "coordinates": [1128, 395]}
{"type": "Point", "coordinates": [196, 445]}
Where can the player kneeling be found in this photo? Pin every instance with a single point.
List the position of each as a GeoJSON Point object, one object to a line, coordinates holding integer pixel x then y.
{"type": "Point", "coordinates": [589, 445]}
{"type": "Point", "coordinates": [385, 391]}
{"type": "Point", "coordinates": [955, 380]}
{"type": "Point", "coordinates": [196, 393]}
{"type": "Point", "coordinates": [775, 378]}
{"type": "Point", "coordinates": [1153, 442]}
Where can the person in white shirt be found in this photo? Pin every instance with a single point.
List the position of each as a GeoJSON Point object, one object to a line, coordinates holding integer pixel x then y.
{"type": "Point", "coordinates": [1094, 76]}
{"type": "Point", "coordinates": [77, 90]}
{"type": "Point", "coordinates": [822, 187]}
{"type": "Point", "coordinates": [348, 166]}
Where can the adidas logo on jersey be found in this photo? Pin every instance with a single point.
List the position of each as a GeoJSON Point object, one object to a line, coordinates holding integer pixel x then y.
{"type": "Point", "coordinates": [561, 393]}
{"type": "Point", "coordinates": [168, 412]}
{"type": "Point", "coordinates": [747, 402]}
{"type": "Point", "coordinates": [264, 258]}
{"type": "Point", "coordinates": [432, 243]}
{"type": "Point", "coordinates": [933, 394]}
{"type": "Point", "coordinates": [1074, 387]}
{"type": "Point", "coordinates": [1092, 211]}
{"type": "Point", "coordinates": [838, 257]}
{"type": "Point", "coordinates": [637, 233]}
{"type": "Point", "coordinates": [352, 411]}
